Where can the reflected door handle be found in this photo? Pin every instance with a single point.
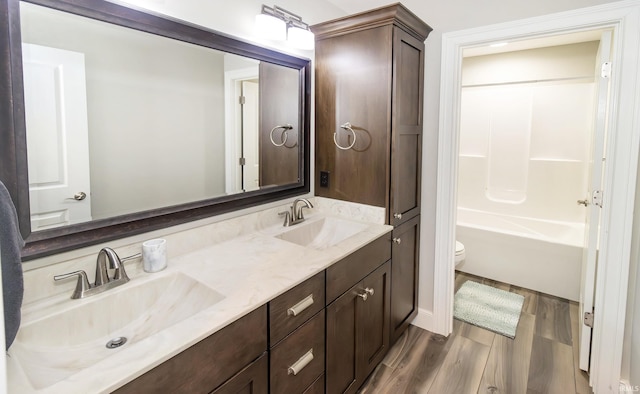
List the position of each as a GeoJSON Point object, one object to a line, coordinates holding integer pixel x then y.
{"type": "Point", "coordinates": [583, 202]}
{"type": "Point", "coordinates": [78, 196]}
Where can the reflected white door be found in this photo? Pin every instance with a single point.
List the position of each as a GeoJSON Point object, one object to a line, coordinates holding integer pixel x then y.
{"type": "Point", "coordinates": [57, 136]}
{"type": "Point", "coordinates": [590, 250]}
{"type": "Point", "coordinates": [250, 151]}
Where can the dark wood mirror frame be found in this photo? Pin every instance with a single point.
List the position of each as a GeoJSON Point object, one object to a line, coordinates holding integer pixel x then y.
{"type": "Point", "coordinates": [13, 145]}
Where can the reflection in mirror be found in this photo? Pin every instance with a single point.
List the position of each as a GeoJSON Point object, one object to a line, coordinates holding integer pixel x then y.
{"type": "Point", "coordinates": [121, 121]}
{"type": "Point", "coordinates": [116, 122]}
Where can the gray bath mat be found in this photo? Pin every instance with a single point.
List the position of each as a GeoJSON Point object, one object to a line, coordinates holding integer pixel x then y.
{"type": "Point", "coordinates": [487, 307]}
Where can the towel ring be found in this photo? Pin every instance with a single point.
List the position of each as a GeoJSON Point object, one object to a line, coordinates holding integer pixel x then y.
{"type": "Point", "coordinates": [285, 128]}
{"type": "Point", "coordinates": [346, 126]}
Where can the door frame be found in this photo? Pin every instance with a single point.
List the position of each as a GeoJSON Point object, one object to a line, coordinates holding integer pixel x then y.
{"type": "Point", "coordinates": [231, 119]}
{"type": "Point", "coordinates": [622, 152]}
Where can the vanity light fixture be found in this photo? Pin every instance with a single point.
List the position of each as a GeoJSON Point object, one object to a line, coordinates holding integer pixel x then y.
{"type": "Point", "coordinates": [279, 24]}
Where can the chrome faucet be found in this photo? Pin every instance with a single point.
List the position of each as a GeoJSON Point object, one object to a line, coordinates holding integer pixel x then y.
{"type": "Point", "coordinates": [295, 215]}
{"type": "Point", "coordinates": [107, 259]}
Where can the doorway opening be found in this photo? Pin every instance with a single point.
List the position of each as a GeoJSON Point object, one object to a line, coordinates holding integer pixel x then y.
{"type": "Point", "coordinates": [611, 283]}
{"type": "Point", "coordinates": [531, 147]}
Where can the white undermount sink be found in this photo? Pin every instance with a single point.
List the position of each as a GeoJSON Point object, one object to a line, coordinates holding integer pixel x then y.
{"type": "Point", "coordinates": [322, 233]}
{"type": "Point", "coordinates": [60, 345]}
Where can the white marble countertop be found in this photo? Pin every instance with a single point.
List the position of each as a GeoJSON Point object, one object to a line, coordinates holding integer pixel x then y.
{"type": "Point", "coordinates": [248, 271]}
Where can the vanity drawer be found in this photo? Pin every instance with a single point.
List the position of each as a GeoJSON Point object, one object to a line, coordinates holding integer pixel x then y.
{"type": "Point", "coordinates": [254, 379]}
{"type": "Point", "coordinates": [316, 387]}
{"type": "Point", "coordinates": [210, 362]}
{"type": "Point", "coordinates": [351, 269]}
{"type": "Point", "coordinates": [288, 311]}
{"type": "Point", "coordinates": [302, 352]}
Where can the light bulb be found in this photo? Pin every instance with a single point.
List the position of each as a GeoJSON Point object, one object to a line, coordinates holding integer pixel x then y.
{"type": "Point", "coordinates": [300, 38]}
{"type": "Point", "coordinates": [270, 27]}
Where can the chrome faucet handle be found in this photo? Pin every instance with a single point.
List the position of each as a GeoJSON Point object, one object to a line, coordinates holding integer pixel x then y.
{"type": "Point", "coordinates": [120, 273]}
{"type": "Point", "coordinates": [81, 286]}
{"type": "Point", "coordinates": [287, 217]}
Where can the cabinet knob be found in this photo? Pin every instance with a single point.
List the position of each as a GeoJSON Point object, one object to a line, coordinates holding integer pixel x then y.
{"type": "Point", "coordinates": [369, 291]}
{"type": "Point", "coordinates": [397, 241]}
{"type": "Point", "coordinates": [364, 296]}
{"type": "Point", "coordinates": [397, 215]}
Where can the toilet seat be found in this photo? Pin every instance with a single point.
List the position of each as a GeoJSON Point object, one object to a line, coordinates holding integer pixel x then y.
{"type": "Point", "coordinates": [460, 253]}
{"type": "Point", "coordinates": [459, 248]}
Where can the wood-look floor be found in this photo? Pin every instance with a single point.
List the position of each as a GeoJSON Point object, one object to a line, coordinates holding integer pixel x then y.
{"type": "Point", "coordinates": [543, 357]}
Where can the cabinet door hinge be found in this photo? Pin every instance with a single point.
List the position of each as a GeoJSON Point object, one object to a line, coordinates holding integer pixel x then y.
{"type": "Point", "coordinates": [241, 100]}
{"type": "Point", "coordinates": [588, 319]}
{"type": "Point", "coordinates": [242, 161]}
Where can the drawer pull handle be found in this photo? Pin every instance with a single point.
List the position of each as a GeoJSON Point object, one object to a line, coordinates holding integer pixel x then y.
{"type": "Point", "coordinates": [300, 306]}
{"type": "Point", "coordinates": [301, 363]}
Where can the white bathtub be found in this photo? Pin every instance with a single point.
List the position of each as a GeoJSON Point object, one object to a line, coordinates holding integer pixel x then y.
{"type": "Point", "coordinates": [540, 255]}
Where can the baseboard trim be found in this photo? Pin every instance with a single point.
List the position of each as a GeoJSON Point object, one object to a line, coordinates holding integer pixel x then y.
{"type": "Point", "coordinates": [426, 320]}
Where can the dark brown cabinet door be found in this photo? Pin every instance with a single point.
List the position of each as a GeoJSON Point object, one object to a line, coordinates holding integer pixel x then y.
{"type": "Point", "coordinates": [254, 379]}
{"type": "Point", "coordinates": [278, 165]}
{"type": "Point", "coordinates": [357, 332]}
{"type": "Point", "coordinates": [404, 275]}
{"type": "Point", "coordinates": [406, 138]}
{"type": "Point", "coordinates": [374, 318]}
{"type": "Point", "coordinates": [342, 342]}
{"type": "Point", "coordinates": [353, 81]}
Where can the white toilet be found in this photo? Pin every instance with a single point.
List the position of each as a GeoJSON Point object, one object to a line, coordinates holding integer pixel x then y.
{"type": "Point", "coordinates": [459, 253]}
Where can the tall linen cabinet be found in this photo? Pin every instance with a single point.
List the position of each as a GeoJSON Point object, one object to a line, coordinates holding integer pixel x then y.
{"type": "Point", "coordinates": [369, 71]}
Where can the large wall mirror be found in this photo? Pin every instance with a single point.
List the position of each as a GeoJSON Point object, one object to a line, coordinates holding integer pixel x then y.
{"type": "Point", "coordinates": [116, 122]}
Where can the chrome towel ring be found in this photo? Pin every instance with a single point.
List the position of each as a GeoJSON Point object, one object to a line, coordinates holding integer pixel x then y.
{"type": "Point", "coordinates": [284, 140]}
{"type": "Point", "coordinates": [346, 126]}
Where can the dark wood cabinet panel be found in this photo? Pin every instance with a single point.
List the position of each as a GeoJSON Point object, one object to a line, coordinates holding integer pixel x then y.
{"type": "Point", "coordinates": [254, 379]}
{"type": "Point", "coordinates": [209, 363]}
{"type": "Point", "coordinates": [291, 350]}
{"type": "Point", "coordinates": [281, 322]}
{"type": "Point", "coordinates": [278, 165]}
{"type": "Point", "coordinates": [406, 137]}
{"type": "Point", "coordinates": [374, 337]}
{"type": "Point", "coordinates": [353, 80]}
{"type": "Point", "coordinates": [379, 89]}
{"type": "Point", "coordinates": [344, 48]}
{"type": "Point", "coordinates": [316, 387]}
{"type": "Point", "coordinates": [357, 332]}
{"type": "Point", "coordinates": [404, 276]}
{"type": "Point", "coordinates": [342, 341]}
{"type": "Point", "coordinates": [351, 269]}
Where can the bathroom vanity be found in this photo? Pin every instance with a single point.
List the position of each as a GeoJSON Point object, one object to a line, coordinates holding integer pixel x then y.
{"type": "Point", "coordinates": [263, 309]}
{"type": "Point", "coordinates": [357, 323]}
{"type": "Point", "coordinates": [245, 304]}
